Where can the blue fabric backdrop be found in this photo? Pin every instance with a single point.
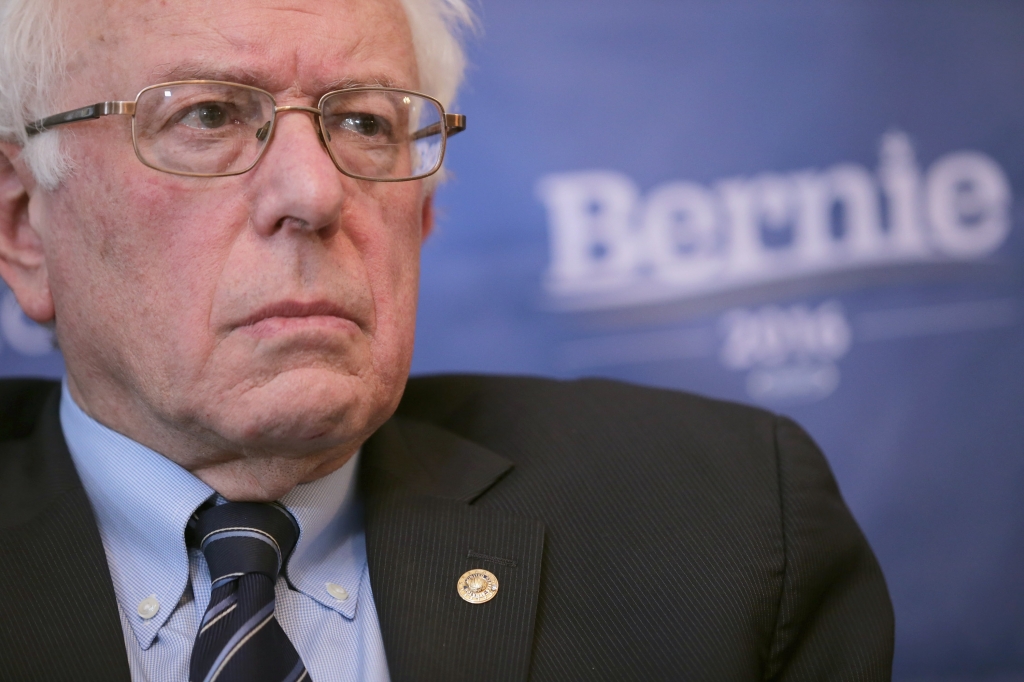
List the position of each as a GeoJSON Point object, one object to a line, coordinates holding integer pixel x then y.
{"type": "Point", "coordinates": [804, 205]}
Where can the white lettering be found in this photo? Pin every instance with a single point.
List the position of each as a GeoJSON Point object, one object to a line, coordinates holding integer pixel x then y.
{"type": "Point", "coordinates": [683, 231]}
{"type": "Point", "coordinates": [592, 242]}
{"type": "Point", "coordinates": [968, 204]}
{"type": "Point", "coordinates": [610, 247]}
{"type": "Point", "coordinates": [901, 184]}
{"type": "Point", "coordinates": [774, 336]}
{"type": "Point", "coordinates": [791, 352]}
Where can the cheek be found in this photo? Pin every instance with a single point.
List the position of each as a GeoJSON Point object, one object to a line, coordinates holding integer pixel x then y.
{"type": "Point", "coordinates": [391, 249]}
{"type": "Point", "coordinates": [140, 264]}
{"type": "Point", "coordinates": [405, 219]}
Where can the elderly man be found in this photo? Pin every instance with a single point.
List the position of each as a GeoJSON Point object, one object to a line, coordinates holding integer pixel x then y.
{"type": "Point", "coordinates": [230, 485]}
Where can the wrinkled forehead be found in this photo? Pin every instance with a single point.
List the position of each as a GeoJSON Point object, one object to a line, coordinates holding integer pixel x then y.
{"type": "Point", "coordinates": [117, 47]}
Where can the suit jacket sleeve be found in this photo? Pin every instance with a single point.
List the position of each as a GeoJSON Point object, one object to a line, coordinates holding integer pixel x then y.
{"type": "Point", "coordinates": [835, 620]}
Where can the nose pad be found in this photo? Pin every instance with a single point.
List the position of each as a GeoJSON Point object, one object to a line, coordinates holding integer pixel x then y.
{"type": "Point", "coordinates": [320, 134]}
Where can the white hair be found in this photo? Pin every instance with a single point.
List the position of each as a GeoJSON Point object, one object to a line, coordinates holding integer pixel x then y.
{"type": "Point", "coordinates": [31, 69]}
{"type": "Point", "coordinates": [32, 61]}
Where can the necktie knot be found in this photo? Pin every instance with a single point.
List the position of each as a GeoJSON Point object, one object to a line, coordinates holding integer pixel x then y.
{"type": "Point", "coordinates": [239, 638]}
{"type": "Point", "coordinates": [238, 538]}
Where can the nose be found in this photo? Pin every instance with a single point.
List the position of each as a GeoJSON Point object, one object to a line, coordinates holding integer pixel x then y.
{"type": "Point", "coordinates": [299, 187]}
{"type": "Point", "coordinates": [316, 113]}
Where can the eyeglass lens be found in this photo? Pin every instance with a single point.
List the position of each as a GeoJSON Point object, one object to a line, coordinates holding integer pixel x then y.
{"type": "Point", "coordinates": [220, 129]}
{"type": "Point", "coordinates": [383, 134]}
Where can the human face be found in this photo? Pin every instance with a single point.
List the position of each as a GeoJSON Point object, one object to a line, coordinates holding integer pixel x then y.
{"type": "Point", "coordinates": [257, 328]}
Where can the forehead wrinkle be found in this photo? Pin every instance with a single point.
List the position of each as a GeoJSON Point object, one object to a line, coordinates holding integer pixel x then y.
{"type": "Point", "coordinates": [201, 70]}
{"type": "Point", "coordinates": [246, 50]}
{"type": "Point", "coordinates": [378, 81]}
{"type": "Point", "coordinates": [297, 10]}
{"type": "Point", "coordinates": [211, 71]}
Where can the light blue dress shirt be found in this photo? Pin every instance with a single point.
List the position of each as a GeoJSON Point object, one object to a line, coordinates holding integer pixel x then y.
{"type": "Point", "coordinates": [143, 502]}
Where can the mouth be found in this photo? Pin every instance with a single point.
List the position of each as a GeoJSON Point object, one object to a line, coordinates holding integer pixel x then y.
{"type": "Point", "coordinates": [286, 317]}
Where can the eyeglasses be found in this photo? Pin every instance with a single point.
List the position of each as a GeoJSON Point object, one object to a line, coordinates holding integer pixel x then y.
{"type": "Point", "coordinates": [209, 129]}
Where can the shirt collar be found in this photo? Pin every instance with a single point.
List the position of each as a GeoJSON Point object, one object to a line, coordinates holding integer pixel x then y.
{"type": "Point", "coordinates": [331, 549]}
{"type": "Point", "coordinates": [143, 502]}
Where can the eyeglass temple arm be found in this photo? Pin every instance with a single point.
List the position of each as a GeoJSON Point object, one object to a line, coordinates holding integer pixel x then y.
{"type": "Point", "coordinates": [83, 114]}
{"type": "Point", "coordinates": [453, 123]}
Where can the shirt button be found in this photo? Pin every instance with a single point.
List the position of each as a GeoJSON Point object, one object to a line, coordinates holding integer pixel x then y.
{"type": "Point", "coordinates": [148, 607]}
{"type": "Point", "coordinates": [337, 591]}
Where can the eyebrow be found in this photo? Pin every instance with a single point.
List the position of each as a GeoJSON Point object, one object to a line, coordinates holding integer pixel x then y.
{"type": "Point", "coordinates": [346, 83]}
{"type": "Point", "coordinates": [182, 72]}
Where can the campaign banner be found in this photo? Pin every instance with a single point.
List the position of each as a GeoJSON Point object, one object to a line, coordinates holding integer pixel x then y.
{"type": "Point", "coordinates": [811, 207]}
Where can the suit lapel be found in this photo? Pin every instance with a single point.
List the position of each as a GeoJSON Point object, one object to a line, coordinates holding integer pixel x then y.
{"type": "Point", "coordinates": [58, 611]}
{"type": "Point", "coordinates": [422, 534]}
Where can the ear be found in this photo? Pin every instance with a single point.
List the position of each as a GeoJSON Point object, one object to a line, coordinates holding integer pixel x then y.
{"type": "Point", "coordinates": [22, 260]}
{"type": "Point", "coordinates": [428, 215]}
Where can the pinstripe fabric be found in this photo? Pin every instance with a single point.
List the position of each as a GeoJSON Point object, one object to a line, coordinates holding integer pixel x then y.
{"type": "Point", "coordinates": [683, 538]}
{"type": "Point", "coordinates": [424, 615]}
{"type": "Point", "coordinates": [50, 551]}
{"type": "Point", "coordinates": [73, 597]}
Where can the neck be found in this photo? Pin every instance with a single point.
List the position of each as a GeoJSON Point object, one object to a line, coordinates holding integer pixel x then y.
{"type": "Point", "coordinates": [238, 473]}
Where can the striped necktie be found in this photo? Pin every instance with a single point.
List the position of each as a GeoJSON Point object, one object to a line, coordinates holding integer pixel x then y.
{"type": "Point", "coordinates": [240, 640]}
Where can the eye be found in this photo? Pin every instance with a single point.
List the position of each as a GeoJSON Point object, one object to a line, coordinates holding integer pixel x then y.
{"type": "Point", "coordinates": [207, 115]}
{"type": "Point", "coordinates": [367, 125]}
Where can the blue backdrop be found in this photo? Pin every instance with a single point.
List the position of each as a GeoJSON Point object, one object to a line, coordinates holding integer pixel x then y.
{"type": "Point", "coordinates": [804, 205]}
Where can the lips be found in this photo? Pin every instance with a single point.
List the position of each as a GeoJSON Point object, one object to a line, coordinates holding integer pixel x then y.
{"type": "Point", "coordinates": [293, 316]}
{"type": "Point", "coordinates": [295, 309]}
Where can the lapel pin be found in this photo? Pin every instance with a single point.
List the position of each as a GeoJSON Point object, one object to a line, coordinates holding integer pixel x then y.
{"type": "Point", "coordinates": [477, 586]}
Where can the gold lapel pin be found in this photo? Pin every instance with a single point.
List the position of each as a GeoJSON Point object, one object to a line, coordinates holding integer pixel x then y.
{"type": "Point", "coordinates": [477, 586]}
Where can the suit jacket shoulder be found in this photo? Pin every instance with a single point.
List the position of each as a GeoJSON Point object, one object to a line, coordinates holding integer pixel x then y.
{"type": "Point", "coordinates": [684, 537]}
{"type": "Point", "coordinates": [58, 614]}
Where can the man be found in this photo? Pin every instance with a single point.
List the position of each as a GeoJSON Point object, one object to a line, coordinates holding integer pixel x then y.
{"type": "Point", "coordinates": [231, 485]}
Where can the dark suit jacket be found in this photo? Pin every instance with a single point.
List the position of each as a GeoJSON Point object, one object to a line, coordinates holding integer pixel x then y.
{"type": "Point", "coordinates": [636, 535]}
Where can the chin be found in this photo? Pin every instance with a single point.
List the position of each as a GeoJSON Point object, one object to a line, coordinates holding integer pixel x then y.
{"type": "Point", "coordinates": [306, 410]}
